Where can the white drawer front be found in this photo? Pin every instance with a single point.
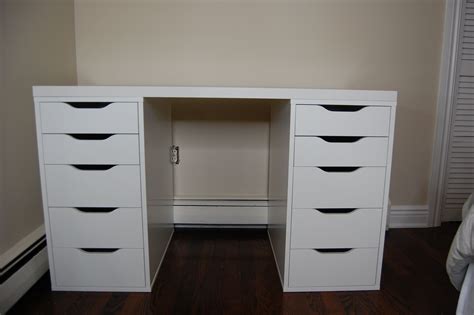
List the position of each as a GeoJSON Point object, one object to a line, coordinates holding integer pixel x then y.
{"type": "Point", "coordinates": [310, 268]}
{"type": "Point", "coordinates": [96, 227]}
{"type": "Point", "coordinates": [335, 228]}
{"type": "Point", "coordinates": [319, 121]}
{"type": "Point", "coordinates": [327, 151]}
{"type": "Point", "coordinates": [68, 186]}
{"type": "Point", "coordinates": [58, 117]}
{"type": "Point", "coordinates": [90, 149]}
{"type": "Point", "coordinates": [316, 188]}
{"type": "Point", "coordinates": [122, 268]}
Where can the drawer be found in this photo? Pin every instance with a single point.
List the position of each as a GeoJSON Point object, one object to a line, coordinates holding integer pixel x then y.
{"type": "Point", "coordinates": [93, 185]}
{"type": "Point", "coordinates": [96, 227]}
{"type": "Point", "coordinates": [90, 149]}
{"type": "Point", "coordinates": [335, 228]}
{"type": "Point", "coordinates": [76, 267]}
{"type": "Point", "coordinates": [342, 120]}
{"type": "Point", "coordinates": [89, 117]}
{"type": "Point", "coordinates": [341, 151]}
{"type": "Point", "coordinates": [338, 187]}
{"type": "Point", "coordinates": [313, 268]}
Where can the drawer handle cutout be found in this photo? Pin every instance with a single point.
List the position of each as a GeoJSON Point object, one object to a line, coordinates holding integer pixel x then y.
{"type": "Point", "coordinates": [339, 169]}
{"type": "Point", "coordinates": [93, 167]}
{"type": "Point", "coordinates": [90, 105]}
{"type": "Point", "coordinates": [342, 108]}
{"type": "Point", "coordinates": [333, 250]}
{"type": "Point", "coordinates": [335, 210]}
{"type": "Point", "coordinates": [340, 139]}
{"type": "Point", "coordinates": [99, 250]}
{"type": "Point", "coordinates": [95, 210]}
{"type": "Point", "coordinates": [90, 136]}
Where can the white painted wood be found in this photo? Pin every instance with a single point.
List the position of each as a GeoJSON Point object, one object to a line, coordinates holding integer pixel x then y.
{"type": "Point", "coordinates": [318, 121]}
{"type": "Point", "coordinates": [44, 191]}
{"type": "Point", "coordinates": [119, 99]}
{"type": "Point", "coordinates": [289, 203]}
{"type": "Point", "coordinates": [347, 102]}
{"type": "Point", "coordinates": [214, 92]}
{"type": "Point", "coordinates": [314, 229]}
{"type": "Point", "coordinates": [309, 268]}
{"type": "Point", "coordinates": [143, 189]}
{"type": "Point", "coordinates": [386, 199]}
{"type": "Point", "coordinates": [59, 117]}
{"type": "Point", "coordinates": [100, 289]}
{"type": "Point", "coordinates": [315, 188]}
{"type": "Point", "coordinates": [408, 216]}
{"type": "Point", "coordinates": [315, 151]}
{"type": "Point", "coordinates": [459, 171]}
{"type": "Point", "coordinates": [76, 267]}
{"type": "Point", "coordinates": [156, 181]}
{"type": "Point", "coordinates": [446, 85]}
{"type": "Point", "coordinates": [280, 157]}
{"type": "Point", "coordinates": [220, 215]}
{"type": "Point", "coordinates": [333, 288]}
{"type": "Point", "coordinates": [64, 149]}
{"type": "Point", "coordinates": [120, 228]}
{"type": "Point", "coordinates": [71, 187]}
{"type": "Point", "coordinates": [22, 280]}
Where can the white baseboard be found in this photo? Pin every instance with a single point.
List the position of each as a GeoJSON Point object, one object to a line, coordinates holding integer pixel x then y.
{"type": "Point", "coordinates": [408, 216]}
{"type": "Point", "coordinates": [22, 266]}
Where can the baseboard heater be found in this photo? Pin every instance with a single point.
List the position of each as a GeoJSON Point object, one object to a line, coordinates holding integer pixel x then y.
{"type": "Point", "coordinates": [224, 213]}
{"type": "Point", "coordinates": [22, 259]}
{"type": "Point", "coordinates": [20, 271]}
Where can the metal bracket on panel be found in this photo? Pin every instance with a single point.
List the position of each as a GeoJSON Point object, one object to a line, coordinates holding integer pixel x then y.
{"type": "Point", "coordinates": [174, 154]}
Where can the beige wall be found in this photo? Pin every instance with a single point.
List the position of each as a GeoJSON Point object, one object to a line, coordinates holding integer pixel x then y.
{"type": "Point", "coordinates": [364, 44]}
{"type": "Point", "coordinates": [38, 47]}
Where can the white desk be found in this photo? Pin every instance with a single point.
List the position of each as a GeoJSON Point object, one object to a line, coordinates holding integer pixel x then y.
{"type": "Point", "coordinates": [107, 183]}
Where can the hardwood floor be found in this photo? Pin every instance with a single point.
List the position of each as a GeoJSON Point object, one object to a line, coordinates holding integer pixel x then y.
{"type": "Point", "coordinates": [233, 272]}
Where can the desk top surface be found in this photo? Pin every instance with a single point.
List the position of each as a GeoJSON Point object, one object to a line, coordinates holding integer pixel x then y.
{"type": "Point", "coordinates": [389, 98]}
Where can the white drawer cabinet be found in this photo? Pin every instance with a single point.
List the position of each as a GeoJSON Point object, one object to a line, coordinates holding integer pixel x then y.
{"type": "Point", "coordinates": [92, 190]}
{"type": "Point", "coordinates": [109, 217]}
{"type": "Point", "coordinates": [341, 151]}
{"type": "Point", "coordinates": [335, 228]}
{"type": "Point", "coordinates": [89, 267]}
{"type": "Point", "coordinates": [340, 179]}
{"type": "Point", "coordinates": [333, 268]}
{"type": "Point", "coordinates": [338, 187]}
{"type": "Point", "coordinates": [89, 117]}
{"type": "Point", "coordinates": [342, 120]}
{"type": "Point", "coordinates": [90, 149]}
{"type": "Point", "coordinates": [93, 185]}
{"type": "Point", "coordinates": [96, 227]}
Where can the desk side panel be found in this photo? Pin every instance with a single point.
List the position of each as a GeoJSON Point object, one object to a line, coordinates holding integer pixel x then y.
{"type": "Point", "coordinates": [278, 182]}
{"type": "Point", "coordinates": [159, 181]}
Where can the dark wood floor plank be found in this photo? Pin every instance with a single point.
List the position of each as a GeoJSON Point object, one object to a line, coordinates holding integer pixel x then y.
{"type": "Point", "coordinates": [233, 272]}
